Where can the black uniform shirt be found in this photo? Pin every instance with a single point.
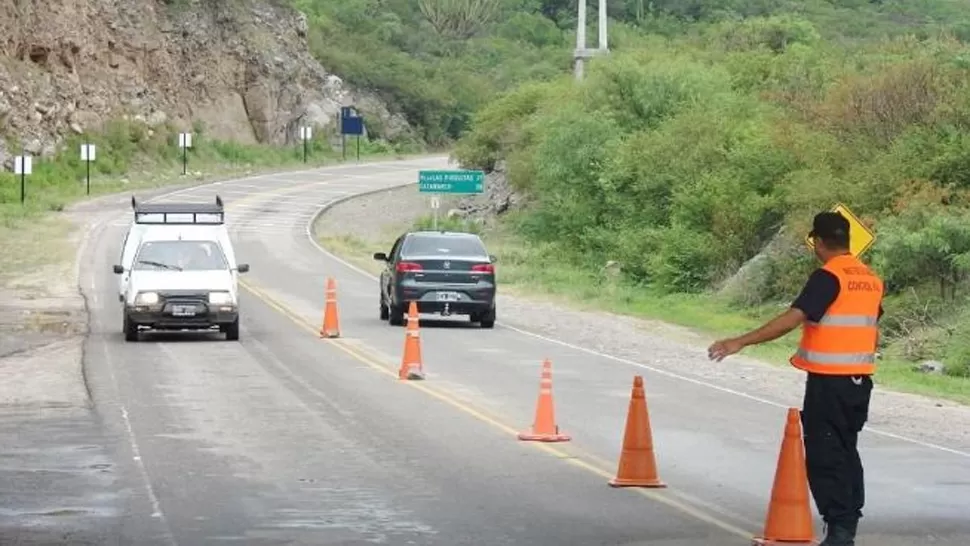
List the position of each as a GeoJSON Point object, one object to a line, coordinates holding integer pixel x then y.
{"type": "Point", "coordinates": [818, 294]}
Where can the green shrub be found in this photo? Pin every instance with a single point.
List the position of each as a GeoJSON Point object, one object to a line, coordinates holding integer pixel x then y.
{"type": "Point", "coordinates": [682, 159]}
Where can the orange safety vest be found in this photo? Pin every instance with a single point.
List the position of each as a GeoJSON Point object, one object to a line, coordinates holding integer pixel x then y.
{"type": "Point", "coordinates": [844, 341]}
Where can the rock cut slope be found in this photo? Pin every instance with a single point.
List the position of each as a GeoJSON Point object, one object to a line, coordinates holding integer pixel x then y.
{"type": "Point", "coordinates": [242, 67]}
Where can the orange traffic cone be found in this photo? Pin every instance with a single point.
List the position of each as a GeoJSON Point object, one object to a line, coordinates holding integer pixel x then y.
{"type": "Point", "coordinates": [544, 427]}
{"type": "Point", "coordinates": [638, 464]}
{"type": "Point", "coordinates": [411, 367]}
{"type": "Point", "coordinates": [789, 518]}
{"type": "Point", "coordinates": [330, 326]}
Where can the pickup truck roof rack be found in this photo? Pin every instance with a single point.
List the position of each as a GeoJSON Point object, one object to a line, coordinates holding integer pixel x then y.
{"type": "Point", "coordinates": [179, 213]}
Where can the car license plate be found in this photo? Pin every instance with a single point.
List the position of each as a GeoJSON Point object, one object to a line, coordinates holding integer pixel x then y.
{"type": "Point", "coordinates": [448, 296]}
{"type": "Point", "coordinates": [183, 310]}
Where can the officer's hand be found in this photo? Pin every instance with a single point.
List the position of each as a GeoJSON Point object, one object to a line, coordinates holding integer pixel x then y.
{"type": "Point", "coordinates": [723, 348]}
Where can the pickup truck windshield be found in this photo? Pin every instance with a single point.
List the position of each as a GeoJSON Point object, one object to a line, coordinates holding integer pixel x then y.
{"type": "Point", "coordinates": [180, 256]}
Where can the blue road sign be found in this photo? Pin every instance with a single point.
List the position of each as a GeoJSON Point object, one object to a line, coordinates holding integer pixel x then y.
{"type": "Point", "coordinates": [350, 122]}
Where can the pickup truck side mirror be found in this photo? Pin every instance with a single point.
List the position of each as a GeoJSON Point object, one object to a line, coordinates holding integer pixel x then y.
{"type": "Point", "coordinates": [242, 268]}
{"type": "Point", "coordinates": [118, 269]}
{"type": "Point", "coordinates": [380, 256]}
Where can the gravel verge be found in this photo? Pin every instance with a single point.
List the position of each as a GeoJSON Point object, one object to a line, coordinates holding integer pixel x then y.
{"type": "Point", "coordinates": [378, 218]}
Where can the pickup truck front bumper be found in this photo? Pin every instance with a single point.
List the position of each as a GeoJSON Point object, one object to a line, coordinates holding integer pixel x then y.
{"type": "Point", "coordinates": [179, 314]}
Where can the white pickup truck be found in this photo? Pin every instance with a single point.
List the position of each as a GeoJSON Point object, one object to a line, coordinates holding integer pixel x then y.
{"type": "Point", "coordinates": [178, 270]}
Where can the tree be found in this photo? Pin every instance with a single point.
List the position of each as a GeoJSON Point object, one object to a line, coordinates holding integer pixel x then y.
{"type": "Point", "coordinates": [918, 247]}
{"type": "Point", "coordinates": [458, 19]}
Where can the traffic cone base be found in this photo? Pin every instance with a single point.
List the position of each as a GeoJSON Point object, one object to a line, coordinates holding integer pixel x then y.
{"type": "Point", "coordinates": [411, 373]}
{"type": "Point", "coordinates": [638, 465]}
{"type": "Point", "coordinates": [789, 518]}
{"type": "Point", "coordinates": [759, 541]}
{"type": "Point", "coordinates": [633, 482]}
{"type": "Point", "coordinates": [544, 427]}
{"type": "Point", "coordinates": [411, 366]}
{"type": "Point", "coordinates": [555, 437]}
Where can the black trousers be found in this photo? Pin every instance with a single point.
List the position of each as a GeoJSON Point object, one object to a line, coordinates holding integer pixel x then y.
{"type": "Point", "coordinates": [834, 410]}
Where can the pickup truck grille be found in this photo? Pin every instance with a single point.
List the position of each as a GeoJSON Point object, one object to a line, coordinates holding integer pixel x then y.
{"type": "Point", "coordinates": [184, 297]}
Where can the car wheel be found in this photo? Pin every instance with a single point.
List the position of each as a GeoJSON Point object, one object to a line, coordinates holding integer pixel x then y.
{"type": "Point", "coordinates": [488, 319]}
{"type": "Point", "coordinates": [232, 331]}
{"type": "Point", "coordinates": [385, 312]}
{"type": "Point", "coordinates": [396, 315]}
{"type": "Point", "coordinates": [130, 328]}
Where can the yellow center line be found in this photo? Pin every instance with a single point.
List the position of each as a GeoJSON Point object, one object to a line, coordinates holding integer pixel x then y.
{"type": "Point", "coordinates": [661, 496]}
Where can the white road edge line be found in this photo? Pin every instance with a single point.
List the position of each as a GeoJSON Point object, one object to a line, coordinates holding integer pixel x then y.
{"type": "Point", "coordinates": [157, 512]}
{"type": "Point", "coordinates": [309, 234]}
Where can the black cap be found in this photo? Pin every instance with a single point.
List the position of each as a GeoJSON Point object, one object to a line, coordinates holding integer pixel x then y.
{"type": "Point", "coordinates": [829, 225]}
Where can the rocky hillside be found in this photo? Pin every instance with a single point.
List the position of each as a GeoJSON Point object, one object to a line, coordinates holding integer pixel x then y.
{"type": "Point", "coordinates": [241, 67]}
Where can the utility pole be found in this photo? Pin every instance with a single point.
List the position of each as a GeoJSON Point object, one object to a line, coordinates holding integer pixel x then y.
{"type": "Point", "coordinates": [582, 53]}
{"type": "Point", "coordinates": [601, 19]}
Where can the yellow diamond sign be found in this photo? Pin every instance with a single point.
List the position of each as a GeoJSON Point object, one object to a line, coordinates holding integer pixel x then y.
{"type": "Point", "coordinates": [860, 237]}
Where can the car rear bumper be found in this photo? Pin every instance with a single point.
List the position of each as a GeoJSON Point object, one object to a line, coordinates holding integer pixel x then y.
{"type": "Point", "coordinates": [159, 319]}
{"type": "Point", "coordinates": [453, 298]}
{"type": "Point", "coordinates": [465, 308]}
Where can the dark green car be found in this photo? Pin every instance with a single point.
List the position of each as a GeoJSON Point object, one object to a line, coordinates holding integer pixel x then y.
{"type": "Point", "coordinates": [446, 273]}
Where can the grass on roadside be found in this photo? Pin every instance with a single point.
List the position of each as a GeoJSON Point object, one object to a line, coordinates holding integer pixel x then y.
{"type": "Point", "coordinates": [131, 156]}
{"type": "Point", "coordinates": [534, 270]}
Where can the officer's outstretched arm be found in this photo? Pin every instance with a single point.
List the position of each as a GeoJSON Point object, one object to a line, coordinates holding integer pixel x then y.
{"type": "Point", "coordinates": [774, 328]}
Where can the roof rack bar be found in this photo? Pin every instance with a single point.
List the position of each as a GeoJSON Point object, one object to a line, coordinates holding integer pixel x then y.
{"type": "Point", "coordinates": [169, 213]}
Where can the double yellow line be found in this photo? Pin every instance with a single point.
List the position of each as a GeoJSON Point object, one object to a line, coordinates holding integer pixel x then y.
{"type": "Point", "coordinates": [665, 497]}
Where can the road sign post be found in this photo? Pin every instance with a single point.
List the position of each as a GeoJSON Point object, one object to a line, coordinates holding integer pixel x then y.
{"type": "Point", "coordinates": [435, 204]}
{"type": "Point", "coordinates": [861, 237]}
{"type": "Point", "coordinates": [185, 142]}
{"type": "Point", "coordinates": [88, 153]}
{"type": "Point", "coordinates": [306, 133]}
{"type": "Point", "coordinates": [351, 123]}
{"type": "Point", "coordinates": [451, 182]}
{"type": "Point", "coordinates": [23, 165]}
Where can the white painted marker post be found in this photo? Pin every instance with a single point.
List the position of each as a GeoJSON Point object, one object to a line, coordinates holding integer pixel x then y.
{"type": "Point", "coordinates": [185, 142]}
{"type": "Point", "coordinates": [88, 153]}
{"type": "Point", "coordinates": [435, 204]}
{"type": "Point", "coordinates": [306, 133]}
{"type": "Point", "coordinates": [23, 165]}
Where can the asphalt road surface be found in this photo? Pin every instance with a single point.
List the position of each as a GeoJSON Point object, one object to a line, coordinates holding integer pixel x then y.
{"type": "Point", "coordinates": [286, 438]}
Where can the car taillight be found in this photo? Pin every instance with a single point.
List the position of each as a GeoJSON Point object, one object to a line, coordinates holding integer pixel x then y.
{"type": "Point", "coordinates": [483, 268]}
{"type": "Point", "coordinates": [403, 267]}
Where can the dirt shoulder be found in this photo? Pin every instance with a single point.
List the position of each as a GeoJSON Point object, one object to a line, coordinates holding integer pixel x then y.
{"type": "Point", "coordinates": [43, 316]}
{"type": "Point", "coordinates": [349, 229]}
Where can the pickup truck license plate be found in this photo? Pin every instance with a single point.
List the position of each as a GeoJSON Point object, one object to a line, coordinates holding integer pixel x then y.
{"type": "Point", "coordinates": [448, 296]}
{"type": "Point", "coordinates": [183, 310]}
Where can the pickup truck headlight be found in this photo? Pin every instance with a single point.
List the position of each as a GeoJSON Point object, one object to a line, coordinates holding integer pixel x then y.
{"type": "Point", "coordinates": [146, 298]}
{"type": "Point", "coordinates": [220, 298]}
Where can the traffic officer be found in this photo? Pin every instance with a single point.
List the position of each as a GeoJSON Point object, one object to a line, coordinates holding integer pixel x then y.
{"type": "Point", "coordinates": [838, 309]}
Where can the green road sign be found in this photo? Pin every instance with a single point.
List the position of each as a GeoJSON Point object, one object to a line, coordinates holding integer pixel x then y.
{"type": "Point", "coordinates": [451, 181]}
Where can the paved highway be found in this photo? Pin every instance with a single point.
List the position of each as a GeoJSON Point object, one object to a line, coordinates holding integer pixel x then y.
{"type": "Point", "coordinates": [284, 438]}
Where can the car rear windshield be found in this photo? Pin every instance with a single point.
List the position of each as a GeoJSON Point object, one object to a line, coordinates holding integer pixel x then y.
{"type": "Point", "coordinates": [180, 256]}
{"type": "Point", "coordinates": [425, 245]}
